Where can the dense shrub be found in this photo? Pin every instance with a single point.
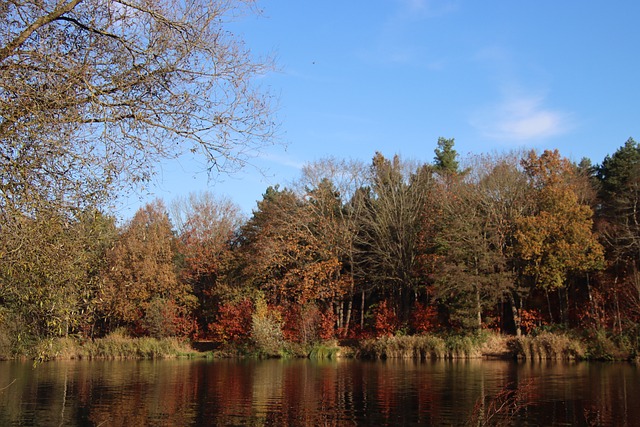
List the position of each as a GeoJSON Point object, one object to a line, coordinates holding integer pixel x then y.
{"type": "Point", "coordinates": [10, 333]}
{"type": "Point", "coordinates": [424, 318]}
{"type": "Point", "coordinates": [603, 347]}
{"type": "Point", "coordinates": [403, 347]}
{"type": "Point", "coordinates": [308, 324]}
{"type": "Point", "coordinates": [266, 329]}
{"type": "Point", "coordinates": [385, 321]}
{"type": "Point", "coordinates": [234, 322]}
{"type": "Point", "coordinates": [163, 318]}
{"type": "Point", "coordinates": [431, 346]}
{"type": "Point", "coordinates": [530, 320]}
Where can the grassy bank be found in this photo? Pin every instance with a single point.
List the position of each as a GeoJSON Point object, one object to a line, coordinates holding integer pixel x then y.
{"type": "Point", "coordinates": [433, 346]}
{"type": "Point", "coordinates": [549, 346]}
{"type": "Point", "coordinates": [114, 346]}
{"type": "Point", "coordinates": [542, 346]}
{"type": "Point", "coordinates": [574, 345]}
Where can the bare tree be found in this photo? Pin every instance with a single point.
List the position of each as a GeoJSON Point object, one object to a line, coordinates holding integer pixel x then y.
{"type": "Point", "coordinates": [390, 234]}
{"type": "Point", "coordinates": [206, 216]}
{"type": "Point", "coordinates": [332, 186]}
{"type": "Point", "coordinates": [94, 92]}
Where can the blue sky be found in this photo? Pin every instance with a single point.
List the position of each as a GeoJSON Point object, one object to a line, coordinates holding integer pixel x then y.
{"type": "Point", "coordinates": [356, 77]}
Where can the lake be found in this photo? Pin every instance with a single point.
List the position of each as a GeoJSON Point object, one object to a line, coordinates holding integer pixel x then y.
{"type": "Point", "coordinates": [322, 393]}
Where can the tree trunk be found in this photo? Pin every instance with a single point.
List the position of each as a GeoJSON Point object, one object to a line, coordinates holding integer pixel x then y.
{"type": "Point", "coordinates": [560, 307]}
{"type": "Point", "coordinates": [479, 308]}
{"type": "Point", "coordinates": [615, 295]}
{"type": "Point", "coordinates": [347, 320]}
{"type": "Point", "coordinates": [592, 306]}
{"type": "Point", "coordinates": [566, 306]}
{"type": "Point", "coordinates": [546, 293]}
{"type": "Point", "coordinates": [516, 315]}
{"type": "Point", "coordinates": [362, 311]}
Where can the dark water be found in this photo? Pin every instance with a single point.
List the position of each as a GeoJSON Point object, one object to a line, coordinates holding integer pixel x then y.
{"type": "Point", "coordinates": [303, 392]}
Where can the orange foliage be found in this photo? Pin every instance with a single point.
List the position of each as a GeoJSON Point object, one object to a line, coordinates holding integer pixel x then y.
{"type": "Point", "coordinates": [558, 237]}
{"type": "Point", "coordinates": [140, 268]}
{"type": "Point", "coordinates": [530, 320]}
{"type": "Point", "coordinates": [288, 254]}
{"type": "Point", "coordinates": [385, 320]}
{"type": "Point", "coordinates": [164, 318]}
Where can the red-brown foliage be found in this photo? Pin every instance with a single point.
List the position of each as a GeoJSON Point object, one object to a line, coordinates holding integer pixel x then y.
{"type": "Point", "coordinates": [385, 320]}
{"type": "Point", "coordinates": [424, 318]}
{"type": "Point", "coordinates": [233, 322]}
{"type": "Point", "coordinates": [327, 326]}
{"type": "Point", "coordinates": [531, 319]}
{"type": "Point", "coordinates": [308, 324]}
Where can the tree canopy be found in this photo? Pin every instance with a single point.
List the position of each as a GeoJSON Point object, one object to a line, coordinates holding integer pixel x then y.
{"type": "Point", "coordinates": [93, 93]}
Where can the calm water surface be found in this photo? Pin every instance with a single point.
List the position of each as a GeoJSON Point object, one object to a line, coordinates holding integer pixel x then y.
{"type": "Point", "coordinates": [303, 392]}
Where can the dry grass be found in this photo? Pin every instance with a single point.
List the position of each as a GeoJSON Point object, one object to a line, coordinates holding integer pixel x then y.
{"type": "Point", "coordinates": [435, 347]}
{"type": "Point", "coordinates": [548, 346]}
{"type": "Point", "coordinates": [496, 346]}
{"type": "Point", "coordinates": [116, 345]}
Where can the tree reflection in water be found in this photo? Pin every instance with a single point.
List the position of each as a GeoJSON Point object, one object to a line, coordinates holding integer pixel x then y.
{"type": "Point", "coordinates": [303, 392]}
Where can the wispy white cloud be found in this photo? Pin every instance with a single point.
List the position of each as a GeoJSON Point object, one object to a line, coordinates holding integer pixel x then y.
{"type": "Point", "coordinates": [521, 118]}
{"type": "Point", "coordinates": [422, 9]}
{"type": "Point", "coordinates": [283, 160]}
{"type": "Point", "coordinates": [396, 43]}
{"type": "Point", "coordinates": [522, 112]}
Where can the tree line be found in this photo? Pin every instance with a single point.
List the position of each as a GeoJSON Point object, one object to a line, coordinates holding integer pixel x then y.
{"type": "Point", "coordinates": [93, 94]}
{"type": "Point", "coordinates": [514, 242]}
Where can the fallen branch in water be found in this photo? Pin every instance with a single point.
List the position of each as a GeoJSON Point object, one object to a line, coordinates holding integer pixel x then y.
{"type": "Point", "coordinates": [502, 408]}
{"type": "Point", "coordinates": [8, 385]}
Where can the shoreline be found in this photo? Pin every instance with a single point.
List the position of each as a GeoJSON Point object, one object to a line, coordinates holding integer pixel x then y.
{"type": "Point", "coordinates": [488, 346]}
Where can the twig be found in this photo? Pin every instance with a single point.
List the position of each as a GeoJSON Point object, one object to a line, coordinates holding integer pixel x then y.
{"type": "Point", "coordinates": [8, 385]}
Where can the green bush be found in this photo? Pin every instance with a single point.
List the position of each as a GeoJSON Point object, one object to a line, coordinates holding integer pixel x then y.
{"type": "Point", "coordinates": [158, 318]}
{"type": "Point", "coordinates": [603, 347]}
{"type": "Point", "coordinates": [322, 351]}
{"type": "Point", "coordinates": [461, 346]}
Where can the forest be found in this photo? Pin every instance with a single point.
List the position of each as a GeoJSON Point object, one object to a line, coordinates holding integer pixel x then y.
{"type": "Point", "coordinates": [95, 95]}
{"type": "Point", "coordinates": [516, 242]}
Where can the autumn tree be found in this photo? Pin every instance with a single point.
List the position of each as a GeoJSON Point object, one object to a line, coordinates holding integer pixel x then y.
{"type": "Point", "coordinates": [206, 229]}
{"type": "Point", "coordinates": [332, 187]}
{"type": "Point", "coordinates": [289, 250]}
{"type": "Point", "coordinates": [444, 176]}
{"type": "Point", "coordinates": [284, 251]}
{"type": "Point", "coordinates": [557, 238]}
{"type": "Point", "coordinates": [141, 276]}
{"type": "Point", "coordinates": [475, 237]}
{"type": "Point", "coordinates": [619, 178]}
{"type": "Point", "coordinates": [49, 274]}
{"type": "Point", "coordinates": [94, 93]}
{"type": "Point", "coordinates": [392, 220]}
